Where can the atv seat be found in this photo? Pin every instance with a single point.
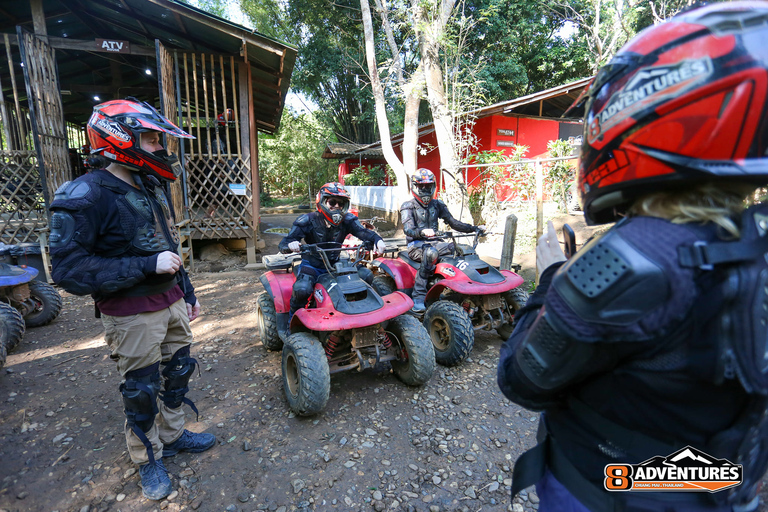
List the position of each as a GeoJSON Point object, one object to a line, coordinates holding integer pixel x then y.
{"type": "Point", "coordinates": [403, 255]}
{"type": "Point", "coordinates": [280, 261]}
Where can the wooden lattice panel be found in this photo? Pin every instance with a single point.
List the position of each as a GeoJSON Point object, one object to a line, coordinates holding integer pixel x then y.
{"type": "Point", "coordinates": [43, 87]}
{"type": "Point", "coordinates": [168, 92]}
{"type": "Point", "coordinates": [216, 210]}
{"type": "Point", "coordinates": [22, 207]}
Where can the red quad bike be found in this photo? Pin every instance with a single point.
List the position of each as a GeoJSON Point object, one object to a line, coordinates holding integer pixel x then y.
{"type": "Point", "coordinates": [464, 295]}
{"type": "Point", "coordinates": [345, 326]}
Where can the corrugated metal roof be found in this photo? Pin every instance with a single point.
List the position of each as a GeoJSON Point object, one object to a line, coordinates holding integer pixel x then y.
{"type": "Point", "coordinates": [336, 150]}
{"type": "Point", "coordinates": [552, 103]}
{"type": "Point", "coordinates": [178, 26]}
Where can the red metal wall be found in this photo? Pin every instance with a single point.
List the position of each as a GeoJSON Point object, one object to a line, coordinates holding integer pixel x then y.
{"type": "Point", "coordinates": [532, 132]}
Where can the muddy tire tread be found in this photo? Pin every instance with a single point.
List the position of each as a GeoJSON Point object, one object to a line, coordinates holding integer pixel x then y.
{"type": "Point", "coordinates": [270, 338]}
{"type": "Point", "coordinates": [461, 332]}
{"type": "Point", "coordinates": [51, 300]}
{"type": "Point", "coordinates": [12, 326]}
{"type": "Point", "coordinates": [420, 366]}
{"type": "Point", "coordinates": [315, 376]}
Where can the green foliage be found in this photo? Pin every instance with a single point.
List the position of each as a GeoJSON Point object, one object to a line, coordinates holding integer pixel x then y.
{"type": "Point", "coordinates": [370, 175]}
{"type": "Point", "coordinates": [561, 174]}
{"type": "Point", "coordinates": [290, 162]}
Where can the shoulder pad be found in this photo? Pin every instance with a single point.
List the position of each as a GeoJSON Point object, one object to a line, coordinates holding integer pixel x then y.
{"type": "Point", "coordinates": [350, 217]}
{"type": "Point", "coordinates": [75, 195]}
{"type": "Point", "coordinates": [408, 205]}
{"type": "Point", "coordinates": [609, 281]}
{"type": "Point", "coordinates": [303, 220]}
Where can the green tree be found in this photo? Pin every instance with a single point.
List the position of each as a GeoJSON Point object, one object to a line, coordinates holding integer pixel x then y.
{"type": "Point", "coordinates": [290, 161]}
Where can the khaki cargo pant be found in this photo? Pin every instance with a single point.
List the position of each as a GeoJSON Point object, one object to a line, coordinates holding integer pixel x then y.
{"type": "Point", "coordinates": [141, 340]}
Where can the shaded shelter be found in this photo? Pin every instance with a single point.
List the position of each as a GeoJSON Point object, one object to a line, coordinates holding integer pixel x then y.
{"type": "Point", "coordinates": [219, 81]}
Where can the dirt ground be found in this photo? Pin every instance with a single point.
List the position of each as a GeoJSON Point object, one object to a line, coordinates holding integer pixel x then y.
{"type": "Point", "coordinates": [379, 445]}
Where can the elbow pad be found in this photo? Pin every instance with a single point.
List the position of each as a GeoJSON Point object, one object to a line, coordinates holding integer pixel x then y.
{"type": "Point", "coordinates": [551, 360]}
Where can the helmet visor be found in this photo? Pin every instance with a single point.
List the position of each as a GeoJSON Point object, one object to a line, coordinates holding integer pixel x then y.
{"type": "Point", "coordinates": [337, 203]}
{"type": "Point", "coordinates": [425, 189]}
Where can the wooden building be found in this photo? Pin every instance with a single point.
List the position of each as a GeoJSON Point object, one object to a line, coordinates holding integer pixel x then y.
{"type": "Point", "coordinates": [221, 82]}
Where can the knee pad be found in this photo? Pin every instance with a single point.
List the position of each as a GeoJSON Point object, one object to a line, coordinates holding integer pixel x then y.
{"type": "Point", "coordinates": [365, 274]}
{"type": "Point", "coordinates": [302, 289]}
{"type": "Point", "coordinates": [140, 391]}
{"type": "Point", "coordinates": [428, 261]}
{"type": "Point", "coordinates": [176, 375]}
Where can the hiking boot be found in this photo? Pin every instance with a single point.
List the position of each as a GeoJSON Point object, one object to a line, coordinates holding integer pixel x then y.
{"type": "Point", "coordinates": [191, 442]}
{"type": "Point", "coordinates": [418, 306]}
{"type": "Point", "coordinates": [155, 484]}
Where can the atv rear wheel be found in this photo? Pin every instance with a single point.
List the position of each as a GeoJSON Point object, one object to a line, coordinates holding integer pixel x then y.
{"type": "Point", "coordinates": [384, 285]}
{"type": "Point", "coordinates": [515, 299]}
{"type": "Point", "coordinates": [47, 304]}
{"type": "Point", "coordinates": [267, 317]}
{"type": "Point", "coordinates": [306, 377]}
{"type": "Point", "coordinates": [418, 363]}
{"type": "Point", "coordinates": [3, 354]}
{"type": "Point", "coordinates": [11, 326]}
{"type": "Point", "coordinates": [451, 332]}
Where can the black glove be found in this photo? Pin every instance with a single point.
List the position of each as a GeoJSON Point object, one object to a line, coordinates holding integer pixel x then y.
{"type": "Point", "coordinates": [480, 231]}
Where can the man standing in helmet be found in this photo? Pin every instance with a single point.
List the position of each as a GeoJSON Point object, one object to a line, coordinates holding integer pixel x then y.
{"type": "Point", "coordinates": [113, 237]}
{"type": "Point", "coordinates": [327, 227]}
{"type": "Point", "coordinates": [419, 216]}
{"type": "Point", "coordinates": [647, 349]}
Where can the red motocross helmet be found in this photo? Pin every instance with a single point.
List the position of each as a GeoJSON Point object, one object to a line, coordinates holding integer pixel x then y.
{"type": "Point", "coordinates": [114, 131]}
{"type": "Point", "coordinates": [683, 103]}
{"type": "Point", "coordinates": [333, 202]}
{"type": "Point", "coordinates": [423, 186]}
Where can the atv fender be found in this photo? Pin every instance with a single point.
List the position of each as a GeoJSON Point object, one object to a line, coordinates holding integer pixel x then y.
{"type": "Point", "coordinates": [456, 280]}
{"type": "Point", "coordinates": [403, 274]}
{"type": "Point", "coordinates": [326, 318]}
{"type": "Point", "coordinates": [13, 275]}
{"type": "Point", "coordinates": [279, 286]}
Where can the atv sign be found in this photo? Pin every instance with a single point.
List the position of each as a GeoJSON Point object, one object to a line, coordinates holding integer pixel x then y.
{"type": "Point", "coordinates": [685, 470]}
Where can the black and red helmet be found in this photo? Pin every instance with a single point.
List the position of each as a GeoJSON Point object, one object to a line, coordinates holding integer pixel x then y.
{"type": "Point", "coordinates": [114, 131]}
{"type": "Point", "coordinates": [683, 103]}
{"type": "Point", "coordinates": [333, 202]}
{"type": "Point", "coordinates": [423, 186]}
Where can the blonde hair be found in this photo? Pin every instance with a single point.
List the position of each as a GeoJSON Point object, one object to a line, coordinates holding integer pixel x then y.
{"type": "Point", "coordinates": [709, 202]}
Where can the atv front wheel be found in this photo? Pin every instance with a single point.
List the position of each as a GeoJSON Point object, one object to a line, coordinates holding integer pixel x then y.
{"type": "Point", "coordinates": [515, 299]}
{"type": "Point", "coordinates": [384, 285]}
{"type": "Point", "coordinates": [11, 326]}
{"type": "Point", "coordinates": [3, 354]}
{"type": "Point", "coordinates": [267, 317]}
{"type": "Point", "coordinates": [451, 331]}
{"type": "Point", "coordinates": [47, 304]}
{"type": "Point", "coordinates": [418, 364]}
{"type": "Point", "coordinates": [306, 376]}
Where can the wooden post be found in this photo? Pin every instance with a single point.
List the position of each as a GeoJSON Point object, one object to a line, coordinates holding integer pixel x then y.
{"type": "Point", "coordinates": [539, 206]}
{"type": "Point", "coordinates": [38, 19]}
{"type": "Point", "coordinates": [508, 245]}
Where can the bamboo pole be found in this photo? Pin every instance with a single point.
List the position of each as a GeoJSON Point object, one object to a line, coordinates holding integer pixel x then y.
{"type": "Point", "coordinates": [189, 109]}
{"type": "Point", "coordinates": [235, 109]}
{"type": "Point", "coordinates": [539, 206]}
{"type": "Point", "coordinates": [224, 99]}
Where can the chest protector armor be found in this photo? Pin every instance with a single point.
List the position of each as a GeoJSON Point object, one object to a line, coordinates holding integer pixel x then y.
{"type": "Point", "coordinates": [735, 275]}
{"type": "Point", "coordinates": [426, 218]}
{"type": "Point", "coordinates": [146, 221]}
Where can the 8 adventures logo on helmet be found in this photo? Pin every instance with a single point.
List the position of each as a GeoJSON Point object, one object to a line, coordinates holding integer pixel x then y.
{"type": "Point", "coordinates": [687, 469]}
{"type": "Point", "coordinates": [648, 88]}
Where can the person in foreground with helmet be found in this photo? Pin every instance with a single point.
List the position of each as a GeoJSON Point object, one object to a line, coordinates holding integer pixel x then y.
{"type": "Point", "coordinates": [419, 217]}
{"type": "Point", "coordinates": [327, 227]}
{"type": "Point", "coordinates": [113, 237]}
{"type": "Point", "coordinates": [646, 349]}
